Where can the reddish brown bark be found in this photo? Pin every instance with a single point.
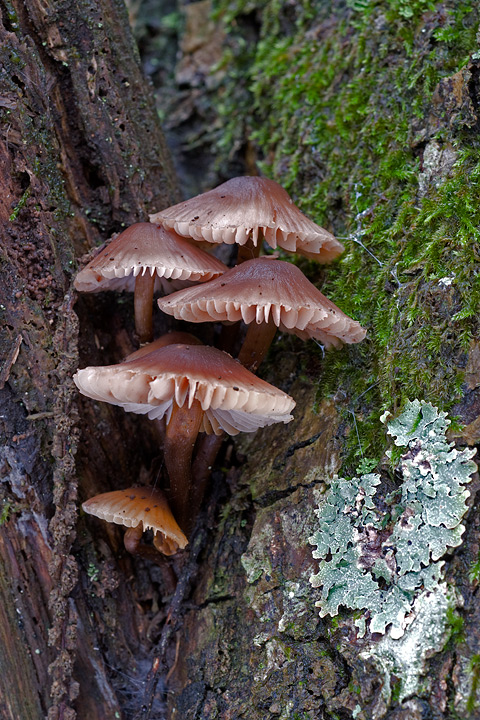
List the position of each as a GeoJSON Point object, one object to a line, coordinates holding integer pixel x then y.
{"type": "Point", "coordinates": [81, 156]}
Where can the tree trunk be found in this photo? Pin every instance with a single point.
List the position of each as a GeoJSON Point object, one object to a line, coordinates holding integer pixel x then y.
{"type": "Point", "coordinates": [82, 156]}
{"type": "Point", "coordinates": [368, 114]}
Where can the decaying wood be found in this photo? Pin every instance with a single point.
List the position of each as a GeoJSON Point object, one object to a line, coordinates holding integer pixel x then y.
{"type": "Point", "coordinates": [85, 630]}
{"type": "Point", "coordinates": [81, 156]}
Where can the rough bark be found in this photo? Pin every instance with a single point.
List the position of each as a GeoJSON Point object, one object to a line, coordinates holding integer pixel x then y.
{"type": "Point", "coordinates": [82, 156]}
{"type": "Point", "coordinates": [367, 115]}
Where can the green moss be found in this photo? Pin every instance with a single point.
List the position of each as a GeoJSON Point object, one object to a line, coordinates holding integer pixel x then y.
{"type": "Point", "coordinates": [341, 106]}
{"type": "Point", "coordinates": [5, 513]}
{"type": "Point", "coordinates": [474, 574]}
{"type": "Point", "coordinates": [37, 136]}
{"type": "Point", "coordinates": [21, 203]}
{"type": "Point", "coordinates": [93, 572]}
{"type": "Point", "coordinates": [472, 703]}
{"type": "Point", "coordinates": [11, 14]}
{"type": "Point", "coordinates": [354, 687]}
{"type": "Point", "coordinates": [456, 625]}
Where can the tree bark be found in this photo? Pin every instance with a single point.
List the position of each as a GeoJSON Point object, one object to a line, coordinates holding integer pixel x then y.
{"type": "Point", "coordinates": [368, 113]}
{"type": "Point", "coordinates": [82, 156]}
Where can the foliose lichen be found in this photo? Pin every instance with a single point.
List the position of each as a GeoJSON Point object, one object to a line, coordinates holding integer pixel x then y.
{"type": "Point", "coordinates": [386, 560]}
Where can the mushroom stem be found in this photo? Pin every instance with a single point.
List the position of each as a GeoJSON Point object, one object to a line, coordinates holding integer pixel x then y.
{"type": "Point", "coordinates": [132, 538]}
{"type": "Point", "coordinates": [143, 302]}
{"type": "Point", "coordinates": [256, 344]}
{"type": "Point", "coordinates": [208, 449]}
{"type": "Point", "coordinates": [156, 554]}
{"type": "Point", "coordinates": [164, 544]}
{"type": "Point", "coordinates": [132, 541]}
{"type": "Point", "coordinates": [249, 250]}
{"type": "Point", "coordinates": [228, 336]}
{"type": "Point", "coordinates": [180, 437]}
{"type": "Point", "coordinates": [160, 429]}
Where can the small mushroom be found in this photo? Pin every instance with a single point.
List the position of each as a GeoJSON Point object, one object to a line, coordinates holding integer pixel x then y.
{"type": "Point", "coordinates": [171, 338]}
{"type": "Point", "coordinates": [139, 509]}
{"type": "Point", "coordinates": [143, 258]}
{"type": "Point", "coordinates": [196, 388]}
{"type": "Point", "coordinates": [176, 337]}
{"type": "Point", "coordinates": [245, 209]}
{"type": "Point", "coordinates": [266, 294]}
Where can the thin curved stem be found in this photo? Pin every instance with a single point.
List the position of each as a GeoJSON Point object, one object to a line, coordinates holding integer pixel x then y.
{"type": "Point", "coordinates": [256, 344]}
{"type": "Point", "coordinates": [164, 544]}
{"type": "Point", "coordinates": [143, 303]}
{"type": "Point", "coordinates": [249, 250]}
{"type": "Point", "coordinates": [180, 437]}
{"type": "Point", "coordinates": [133, 544]}
{"type": "Point", "coordinates": [207, 451]}
{"type": "Point", "coordinates": [132, 538]}
{"type": "Point", "coordinates": [228, 336]}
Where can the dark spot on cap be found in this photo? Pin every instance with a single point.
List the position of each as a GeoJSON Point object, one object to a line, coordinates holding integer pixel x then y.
{"type": "Point", "coordinates": [147, 509]}
{"type": "Point", "coordinates": [195, 218]}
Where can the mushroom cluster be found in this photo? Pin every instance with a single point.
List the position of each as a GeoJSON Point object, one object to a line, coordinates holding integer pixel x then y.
{"type": "Point", "coordinates": [199, 392]}
{"type": "Point", "coordinates": [195, 388]}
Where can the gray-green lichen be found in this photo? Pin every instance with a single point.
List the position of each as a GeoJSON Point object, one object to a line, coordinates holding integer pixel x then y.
{"type": "Point", "coordinates": [404, 658]}
{"type": "Point", "coordinates": [387, 561]}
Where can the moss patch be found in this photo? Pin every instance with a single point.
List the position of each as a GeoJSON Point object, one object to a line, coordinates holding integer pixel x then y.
{"type": "Point", "coordinates": [368, 116]}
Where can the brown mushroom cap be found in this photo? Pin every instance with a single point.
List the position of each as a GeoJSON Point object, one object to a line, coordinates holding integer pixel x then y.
{"type": "Point", "coordinates": [140, 505]}
{"type": "Point", "coordinates": [244, 207]}
{"type": "Point", "coordinates": [266, 289]}
{"type": "Point", "coordinates": [176, 337]}
{"type": "Point", "coordinates": [232, 398]}
{"type": "Point", "coordinates": [144, 248]}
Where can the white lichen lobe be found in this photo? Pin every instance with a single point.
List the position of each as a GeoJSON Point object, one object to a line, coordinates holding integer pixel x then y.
{"type": "Point", "coordinates": [388, 562]}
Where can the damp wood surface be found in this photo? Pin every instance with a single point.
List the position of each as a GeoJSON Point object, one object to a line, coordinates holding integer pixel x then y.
{"type": "Point", "coordinates": [369, 117]}
{"type": "Point", "coordinates": [83, 156]}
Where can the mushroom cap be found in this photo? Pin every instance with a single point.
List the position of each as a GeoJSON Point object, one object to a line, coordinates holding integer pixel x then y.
{"type": "Point", "coordinates": [144, 248]}
{"type": "Point", "coordinates": [247, 206]}
{"type": "Point", "coordinates": [232, 398]}
{"type": "Point", "coordinates": [266, 289]}
{"type": "Point", "coordinates": [133, 506]}
{"type": "Point", "coordinates": [175, 337]}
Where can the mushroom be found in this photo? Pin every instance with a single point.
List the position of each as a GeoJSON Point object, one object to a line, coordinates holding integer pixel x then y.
{"type": "Point", "coordinates": [139, 509]}
{"type": "Point", "coordinates": [176, 337]}
{"type": "Point", "coordinates": [266, 294]}
{"type": "Point", "coordinates": [143, 258]}
{"type": "Point", "coordinates": [196, 388]}
{"type": "Point", "coordinates": [171, 338]}
{"type": "Point", "coordinates": [244, 209]}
